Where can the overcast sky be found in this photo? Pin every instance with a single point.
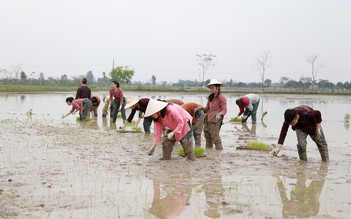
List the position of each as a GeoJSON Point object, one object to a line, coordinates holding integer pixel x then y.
{"type": "Point", "coordinates": [162, 38]}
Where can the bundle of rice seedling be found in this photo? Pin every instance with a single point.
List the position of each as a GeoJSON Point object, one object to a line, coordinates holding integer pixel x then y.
{"type": "Point", "coordinates": [347, 118]}
{"type": "Point", "coordinates": [258, 146]}
{"type": "Point", "coordinates": [87, 119]}
{"type": "Point", "coordinates": [236, 119]}
{"type": "Point", "coordinates": [131, 123]}
{"type": "Point", "coordinates": [199, 152]}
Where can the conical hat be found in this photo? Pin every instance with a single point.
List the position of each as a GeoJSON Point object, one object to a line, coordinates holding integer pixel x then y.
{"type": "Point", "coordinates": [130, 102]}
{"type": "Point", "coordinates": [214, 82]}
{"type": "Point", "coordinates": [154, 106]}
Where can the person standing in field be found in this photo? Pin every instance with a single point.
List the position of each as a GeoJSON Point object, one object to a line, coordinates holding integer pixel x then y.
{"type": "Point", "coordinates": [196, 111]}
{"type": "Point", "coordinates": [118, 101]}
{"type": "Point", "coordinates": [141, 106]}
{"type": "Point", "coordinates": [82, 105]}
{"type": "Point", "coordinates": [83, 91]}
{"type": "Point", "coordinates": [216, 108]}
{"type": "Point", "coordinates": [178, 122]}
{"type": "Point", "coordinates": [305, 121]}
{"type": "Point", "coordinates": [248, 105]}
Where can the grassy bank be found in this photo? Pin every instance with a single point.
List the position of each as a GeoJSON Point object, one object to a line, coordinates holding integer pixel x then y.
{"type": "Point", "coordinates": [41, 89]}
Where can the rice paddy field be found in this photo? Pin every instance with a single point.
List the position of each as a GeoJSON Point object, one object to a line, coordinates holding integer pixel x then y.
{"type": "Point", "coordinates": [63, 168]}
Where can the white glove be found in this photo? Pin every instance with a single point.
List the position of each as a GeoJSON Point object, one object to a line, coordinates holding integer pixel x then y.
{"type": "Point", "coordinates": [122, 127]}
{"type": "Point", "coordinates": [318, 134]}
{"type": "Point", "coordinates": [170, 135]}
{"type": "Point", "coordinates": [218, 116]}
{"type": "Point", "coordinates": [276, 151]}
{"type": "Point", "coordinates": [120, 107]}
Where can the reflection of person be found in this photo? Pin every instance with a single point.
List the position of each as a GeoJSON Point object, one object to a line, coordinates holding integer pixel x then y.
{"type": "Point", "coordinates": [141, 106]}
{"type": "Point", "coordinates": [83, 91]}
{"type": "Point", "coordinates": [178, 121]}
{"type": "Point", "coordinates": [196, 111]}
{"type": "Point", "coordinates": [248, 105]}
{"type": "Point", "coordinates": [173, 203]}
{"type": "Point", "coordinates": [95, 105]}
{"type": "Point", "coordinates": [118, 101]}
{"type": "Point", "coordinates": [82, 105]}
{"type": "Point", "coordinates": [304, 199]}
{"type": "Point", "coordinates": [216, 108]}
{"type": "Point", "coordinates": [305, 121]}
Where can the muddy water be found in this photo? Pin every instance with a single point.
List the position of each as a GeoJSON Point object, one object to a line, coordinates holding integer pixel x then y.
{"type": "Point", "coordinates": [54, 168]}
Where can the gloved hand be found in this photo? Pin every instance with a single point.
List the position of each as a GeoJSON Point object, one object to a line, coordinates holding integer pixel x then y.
{"type": "Point", "coordinates": [120, 107]}
{"type": "Point", "coordinates": [170, 135]}
{"type": "Point", "coordinates": [218, 116]}
{"type": "Point", "coordinates": [244, 120]}
{"type": "Point", "coordinates": [122, 127]}
{"type": "Point", "coordinates": [317, 135]}
{"type": "Point", "coordinates": [277, 150]}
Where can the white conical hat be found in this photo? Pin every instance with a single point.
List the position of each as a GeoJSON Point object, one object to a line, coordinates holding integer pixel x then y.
{"type": "Point", "coordinates": [154, 106]}
{"type": "Point", "coordinates": [214, 82]}
{"type": "Point", "coordinates": [130, 102]}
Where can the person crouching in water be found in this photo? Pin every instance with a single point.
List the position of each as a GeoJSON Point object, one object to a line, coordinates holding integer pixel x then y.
{"type": "Point", "coordinates": [141, 106]}
{"type": "Point", "coordinates": [304, 121]}
{"type": "Point", "coordinates": [178, 122]}
{"type": "Point", "coordinates": [95, 100]}
{"type": "Point", "coordinates": [82, 105]}
{"type": "Point", "coordinates": [216, 108]}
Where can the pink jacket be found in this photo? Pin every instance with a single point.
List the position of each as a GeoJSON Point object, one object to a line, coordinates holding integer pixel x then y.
{"type": "Point", "coordinates": [176, 119]}
{"type": "Point", "coordinates": [78, 105]}
{"type": "Point", "coordinates": [217, 105]}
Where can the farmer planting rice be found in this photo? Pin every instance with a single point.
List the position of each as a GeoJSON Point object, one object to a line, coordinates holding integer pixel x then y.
{"type": "Point", "coordinates": [118, 101]}
{"type": "Point", "coordinates": [178, 122]}
{"type": "Point", "coordinates": [216, 108]}
{"type": "Point", "coordinates": [82, 105]}
{"type": "Point", "coordinates": [196, 111]}
{"type": "Point", "coordinates": [248, 105]}
{"type": "Point", "coordinates": [305, 121]}
{"type": "Point", "coordinates": [95, 105]}
{"type": "Point", "coordinates": [141, 106]}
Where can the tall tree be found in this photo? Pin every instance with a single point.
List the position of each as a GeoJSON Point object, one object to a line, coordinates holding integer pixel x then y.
{"type": "Point", "coordinates": [312, 60]}
{"type": "Point", "coordinates": [205, 61]}
{"type": "Point", "coordinates": [153, 79]}
{"type": "Point", "coordinates": [23, 76]}
{"type": "Point", "coordinates": [122, 74]}
{"type": "Point", "coordinates": [90, 77]}
{"type": "Point", "coordinates": [261, 65]}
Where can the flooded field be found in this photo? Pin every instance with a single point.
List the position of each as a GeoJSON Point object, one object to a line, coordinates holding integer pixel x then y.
{"type": "Point", "coordinates": [60, 168]}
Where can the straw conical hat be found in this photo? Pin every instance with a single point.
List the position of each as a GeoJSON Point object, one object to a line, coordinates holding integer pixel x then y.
{"type": "Point", "coordinates": [214, 82]}
{"type": "Point", "coordinates": [154, 106]}
{"type": "Point", "coordinates": [130, 102]}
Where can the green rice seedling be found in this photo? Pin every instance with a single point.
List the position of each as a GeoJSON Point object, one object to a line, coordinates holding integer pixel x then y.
{"type": "Point", "coordinates": [347, 118]}
{"type": "Point", "coordinates": [236, 119]}
{"type": "Point", "coordinates": [131, 124]}
{"type": "Point", "coordinates": [88, 118]}
{"type": "Point", "coordinates": [197, 152]}
{"type": "Point", "coordinates": [136, 129]}
{"type": "Point", "coordinates": [258, 145]}
{"type": "Point", "coordinates": [263, 115]}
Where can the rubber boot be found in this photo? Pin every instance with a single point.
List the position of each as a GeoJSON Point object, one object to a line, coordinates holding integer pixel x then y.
{"type": "Point", "coordinates": [303, 156]}
{"type": "Point", "coordinates": [219, 146]}
{"type": "Point", "coordinates": [324, 155]}
{"type": "Point", "coordinates": [191, 156]}
{"type": "Point", "coordinates": [167, 149]}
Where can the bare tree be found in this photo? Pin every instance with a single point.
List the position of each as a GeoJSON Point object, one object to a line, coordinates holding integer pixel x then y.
{"type": "Point", "coordinates": [17, 70]}
{"type": "Point", "coordinates": [261, 65]}
{"type": "Point", "coordinates": [205, 61]}
{"type": "Point", "coordinates": [312, 59]}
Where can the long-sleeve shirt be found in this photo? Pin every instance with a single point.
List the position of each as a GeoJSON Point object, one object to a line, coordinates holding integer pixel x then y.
{"type": "Point", "coordinates": [190, 108]}
{"type": "Point", "coordinates": [247, 101]}
{"type": "Point", "coordinates": [176, 119]}
{"type": "Point", "coordinates": [78, 105]}
{"type": "Point", "coordinates": [308, 118]}
{"type": "Point", "coordinates": [117, 95]}
{"type": "Point", "coordinates": [83, 92]}
{"type": "Point", "coordinates": [217, 105]}
{"type": "Point", "coordinates": [142, 104]}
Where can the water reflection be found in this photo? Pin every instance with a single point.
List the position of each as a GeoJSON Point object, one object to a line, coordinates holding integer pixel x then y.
{"type": "Point", "coordinates": [304, 196]}
{"type": "Point", "coordinates": [246, 134]}
{"type": "Point", "coordinates": [174, 202]}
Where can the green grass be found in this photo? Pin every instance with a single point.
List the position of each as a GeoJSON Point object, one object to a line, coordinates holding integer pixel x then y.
{"type": "Point", "coordinates": [347, 117]}
{"type": "Point", "coordinates": [136, 129]}
{"type": "Point", "coordinates": [258, 145]}
{"type": "Point", "coordinates": [239, 119]}
{"type": "Point", "coordinates": [197, 152]}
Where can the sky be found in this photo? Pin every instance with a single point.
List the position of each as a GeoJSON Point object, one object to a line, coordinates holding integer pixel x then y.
{"type": "Point", "coordinates": [162, 38]}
